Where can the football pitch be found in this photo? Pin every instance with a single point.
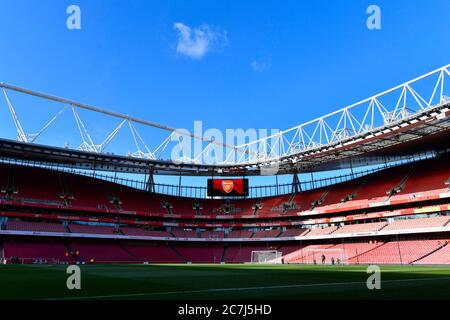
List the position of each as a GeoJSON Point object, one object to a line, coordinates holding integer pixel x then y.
{"type": "Point", "coordinates": [209, 282]}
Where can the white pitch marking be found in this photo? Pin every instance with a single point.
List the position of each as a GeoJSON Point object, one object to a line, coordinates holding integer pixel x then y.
{"type": "Point", "coordinates": [243, 289]}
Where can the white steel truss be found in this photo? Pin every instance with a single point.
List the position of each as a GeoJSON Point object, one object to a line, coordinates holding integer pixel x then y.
{"type": "Point", "coordinates": [372, 114]}
{"type": "Point", "coordinates": [361, 117]}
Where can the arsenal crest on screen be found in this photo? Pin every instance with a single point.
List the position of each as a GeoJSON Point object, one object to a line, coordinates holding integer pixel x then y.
{"type": "Point", "coordinates": [227, 186]}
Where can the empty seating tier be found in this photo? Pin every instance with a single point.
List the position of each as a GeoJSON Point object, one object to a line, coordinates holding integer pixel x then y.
{"type": "Point", "coordinates": [360, 227]}
{"type": "Point", "coordinates": [418, 223]}
{"type": "Point", "coordinates": [35, 226]}
{"type": "Point", "coordinates": [91, 229]}
{"type": "Point", "coordinates": [399, 184]}
{"type": "Point", "coordinates": [266, 234]}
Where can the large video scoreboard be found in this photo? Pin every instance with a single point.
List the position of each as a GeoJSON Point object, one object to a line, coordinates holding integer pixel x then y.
{"type": "Point", "coordinates": [227, 187]}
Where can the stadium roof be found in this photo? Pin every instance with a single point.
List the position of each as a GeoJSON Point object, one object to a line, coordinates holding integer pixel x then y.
{"type": "Point", "coordinates": [397, 123]}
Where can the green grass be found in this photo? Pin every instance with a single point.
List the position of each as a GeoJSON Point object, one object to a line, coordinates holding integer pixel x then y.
{"type": "Point", "coordinates": [188, 282]}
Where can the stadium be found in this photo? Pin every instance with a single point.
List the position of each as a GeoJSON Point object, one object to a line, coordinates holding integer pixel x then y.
{"type": "Point", "coordinates": [364, 185]}
{"type": "Point", "coordinates": [60, 206]}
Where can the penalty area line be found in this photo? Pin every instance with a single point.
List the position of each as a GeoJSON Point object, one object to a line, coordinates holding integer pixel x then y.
{"type": "Point", "coordinates": [163, 293]}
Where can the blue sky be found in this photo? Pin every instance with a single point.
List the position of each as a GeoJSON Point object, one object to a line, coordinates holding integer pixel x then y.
{"type": "Point", "coordinates": [274, 65]}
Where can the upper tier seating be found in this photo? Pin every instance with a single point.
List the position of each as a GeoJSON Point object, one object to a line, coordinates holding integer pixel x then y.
{"type": "Point", "coordinates": [88, 193]}
{"type": "Point", "coordinates": [136, 200]}
{"type": "Point", "coordinates": [377, 186]}
{"type": "Point", "coordinates": [180, 206]}
{"type": "Point", "coordinates": [337, 193]}
{"type": "Point", "coordinates": [28, 187]}
{"type": "Point", "coordinates": [5, 173]}
{"type": "Point", "coordinates": [223, 207]}
{"type": "Point", "coordinates": [427, 176]}
{"type": "Point", "coordinates": [272, 205]}
{"type": "Point", "coordinates": [49, 187]}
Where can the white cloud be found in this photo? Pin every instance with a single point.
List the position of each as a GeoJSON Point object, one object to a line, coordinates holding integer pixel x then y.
{"type": "Point", "coordinates": [197, 42]}
{"type": "Point", "coordinates": [261, 66]}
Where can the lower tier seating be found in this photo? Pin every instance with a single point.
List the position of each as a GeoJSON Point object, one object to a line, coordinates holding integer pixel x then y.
{"type": "Point", "coordinates": [101, 251]}
{"type": "Point", "coordinates": [45, 250]}
{"type": "Point", "coordinates": [402, 252]}
{"type": "Point", "coordinates": [28, 250]}
{"type": "Point", "coordinates": [440, 256]}
{"type": "Point", "coordinates": [393, 252]}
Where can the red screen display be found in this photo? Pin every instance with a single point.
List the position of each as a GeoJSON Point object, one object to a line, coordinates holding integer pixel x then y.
{"type": "Point", "coordinates": [227, 187]}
